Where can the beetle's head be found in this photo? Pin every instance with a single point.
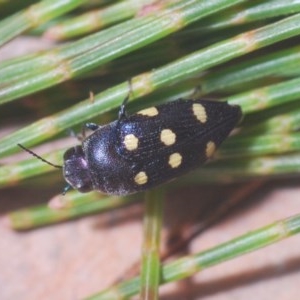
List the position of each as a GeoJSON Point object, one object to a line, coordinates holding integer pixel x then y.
{"type": "Point", "coordinates": [75, 170]}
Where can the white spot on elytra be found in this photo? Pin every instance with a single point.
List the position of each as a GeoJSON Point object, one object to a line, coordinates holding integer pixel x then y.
{"type": "Point", "coordinates": [131, 142]}
{"type": "Point", "coordinates": [168, 137]}
{"type": "Point", "coordinates": [150, 112]}
{"type": "Point", "coordinates": [141, 178]}
{"type": "Point", "coordinates": [210, 149]}
{"type": "Point", "coordinates": [175, 160]}
{"type": "Point", "coordinates": [200, 112]}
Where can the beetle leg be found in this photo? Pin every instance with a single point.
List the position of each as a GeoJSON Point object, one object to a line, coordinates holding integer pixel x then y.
{"type": "Point", "coordinates": [72, 133]}
{"type": "Point", "coordinates": [91, 126]}
{"type": "Point", "coordinates": [122, 112]}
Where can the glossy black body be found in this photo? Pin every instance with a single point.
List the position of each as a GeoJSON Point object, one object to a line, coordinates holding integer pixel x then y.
{"type": "Point", "coordinates": [105, 163]}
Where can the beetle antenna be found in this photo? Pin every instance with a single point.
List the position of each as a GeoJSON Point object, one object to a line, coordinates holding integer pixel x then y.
{"type": "Point", "coordinates": [39, 157]}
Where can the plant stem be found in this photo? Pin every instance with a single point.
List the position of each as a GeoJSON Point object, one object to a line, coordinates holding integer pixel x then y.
{"type": "Point", "coordinates": [150, 273]}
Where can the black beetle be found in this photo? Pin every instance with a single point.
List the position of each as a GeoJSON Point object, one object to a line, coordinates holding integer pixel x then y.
{"type": "Point", "coordinates": [146, 149]}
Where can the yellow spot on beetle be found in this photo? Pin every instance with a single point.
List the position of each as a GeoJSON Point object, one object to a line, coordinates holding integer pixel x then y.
{"type": "Point", "coordinates": [175, 160]}
{"type": "Point", "coordinates": [150, 112]}
{"type": "Point", "coordinates": [168, 137]}
{"type": "Point", "coordinates": [131, 142]}
{"type": "Point", "coordinates": [141, 178]}
{"type": "Point", "coordinates": [199, 112]}
{"type": "Point", "coordinates": [210, 149]}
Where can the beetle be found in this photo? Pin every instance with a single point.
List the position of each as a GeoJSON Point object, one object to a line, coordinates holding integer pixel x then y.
{"type": "Point", "coordinates": [151, 147]}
